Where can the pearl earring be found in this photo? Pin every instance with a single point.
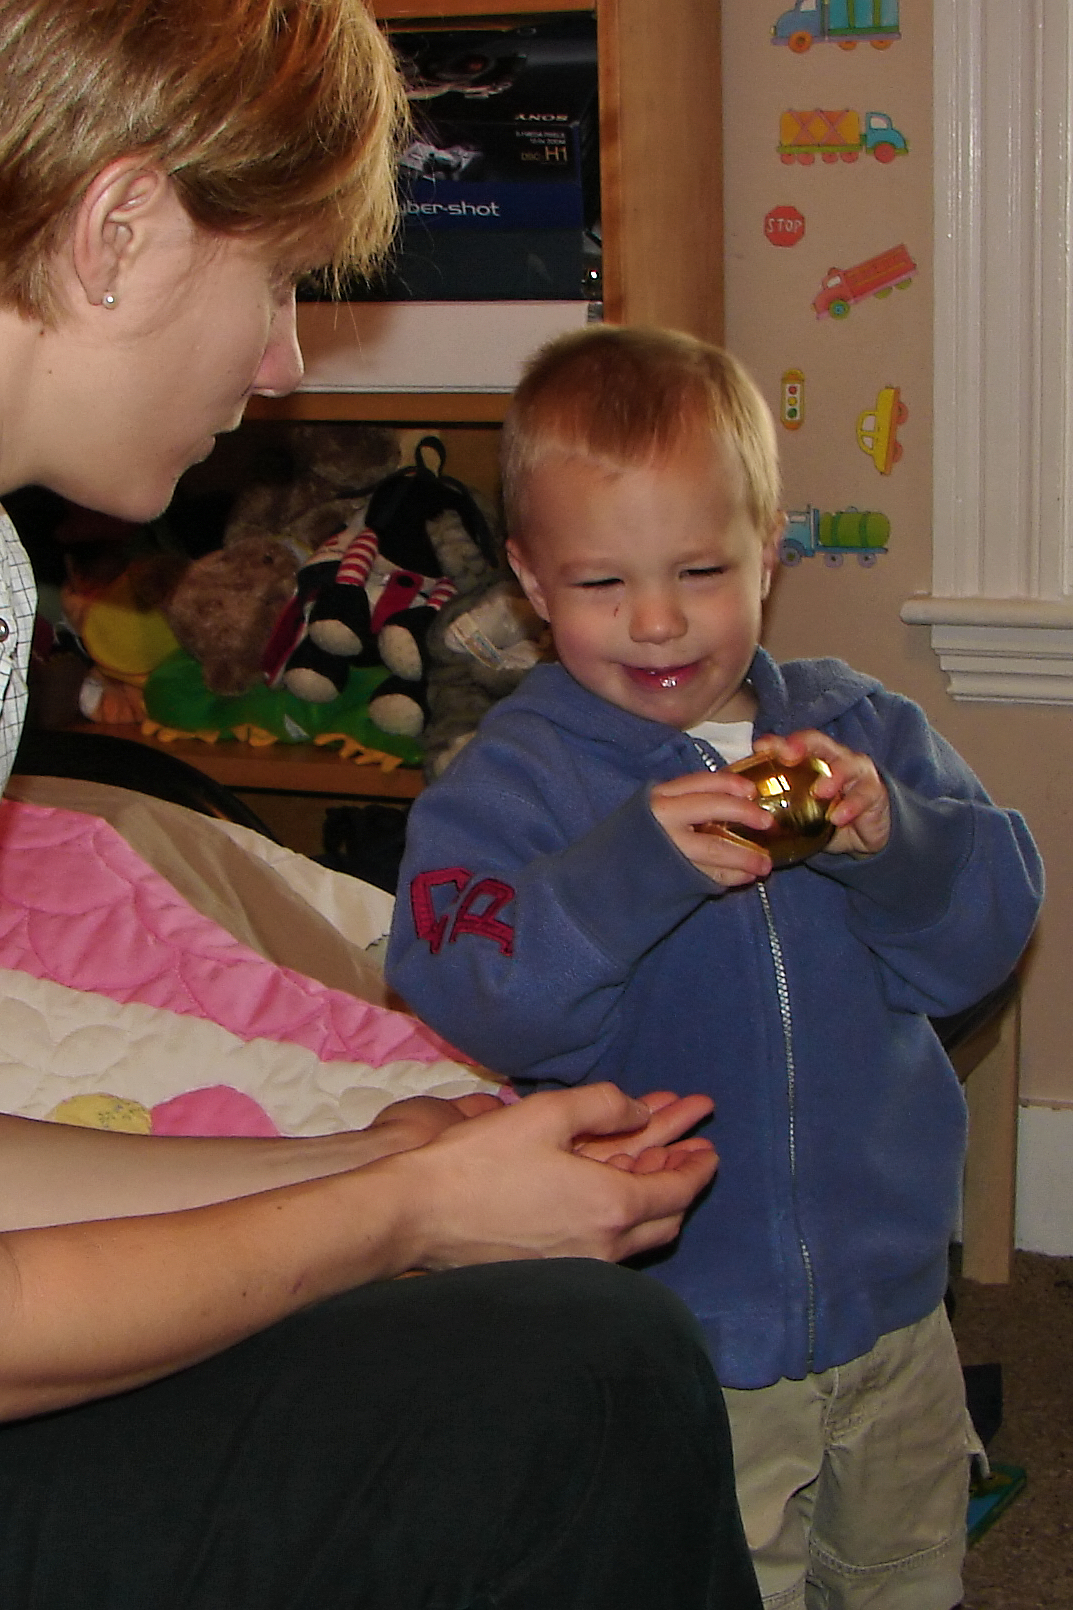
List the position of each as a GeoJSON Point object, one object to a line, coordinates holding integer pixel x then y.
{"type": "Point", "coordinates": [108, 299]}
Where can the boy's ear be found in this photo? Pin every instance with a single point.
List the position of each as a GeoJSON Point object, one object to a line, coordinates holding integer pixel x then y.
{"type": "Point", "coordinates": [527, 579]}
{"type": "Point", "coordinates": [771, 551]}
{"type": "Point", "coordinates": [125, 201]}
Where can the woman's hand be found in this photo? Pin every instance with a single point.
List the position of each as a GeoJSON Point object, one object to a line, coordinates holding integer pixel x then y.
{"type": "Point", "coordinates": [655, 1144]}
{"type": "Point", "coordinates": [402, 1125]}
{"type": "Point", "coordinates": [514, 1184]}
{"type": "Point", "coordinates": [89, 1309]}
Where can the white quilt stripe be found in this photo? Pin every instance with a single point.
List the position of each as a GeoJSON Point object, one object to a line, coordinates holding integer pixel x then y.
{"type": "Point", "coordinates": [57, 1042]}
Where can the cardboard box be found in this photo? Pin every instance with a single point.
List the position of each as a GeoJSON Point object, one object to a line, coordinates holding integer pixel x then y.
{"type": "Point", "coordinates": [500, 186]}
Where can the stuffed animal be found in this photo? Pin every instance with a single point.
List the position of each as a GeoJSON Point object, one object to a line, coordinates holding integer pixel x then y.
{"type": "Point", "coordinates": [225, 607]}
{"type": "Point", "coordinates": [109, 633]}
{"type": "Point", "coordinates": [131, 610]}
{"type": "Point", "coordinates": [482, 644]}
{"type": "Point", "coordinates": [332, 470]}
{"type": "Point", "coordinates": [124, 637]}
{"type": "Point", "coordinates": [370, 594]}
{"type": "Point", "coordinates": [363, 602]}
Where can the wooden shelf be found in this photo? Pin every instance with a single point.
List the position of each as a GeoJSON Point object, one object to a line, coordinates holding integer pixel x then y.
{"type": "Point", "coordinates": [434, 10]}
{"type": "Point", "coordinates": [278, 768]}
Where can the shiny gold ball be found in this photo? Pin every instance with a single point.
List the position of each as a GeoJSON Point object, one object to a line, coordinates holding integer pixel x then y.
{"type": "Point", "coordinates": [801, 824]}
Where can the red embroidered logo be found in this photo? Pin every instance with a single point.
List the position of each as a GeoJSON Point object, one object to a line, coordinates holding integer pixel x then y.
{"type": "Point", "coordinates": [477, 912]}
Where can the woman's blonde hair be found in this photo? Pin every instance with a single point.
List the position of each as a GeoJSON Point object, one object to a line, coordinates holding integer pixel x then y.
{"type": "Point", "coordinates": [280, 117]}
{"type": "Point", "coordinates": [626, 395]}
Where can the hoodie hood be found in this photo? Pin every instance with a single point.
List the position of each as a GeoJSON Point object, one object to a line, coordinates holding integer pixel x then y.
{"type": "Point", "coordinates": [801, 693]}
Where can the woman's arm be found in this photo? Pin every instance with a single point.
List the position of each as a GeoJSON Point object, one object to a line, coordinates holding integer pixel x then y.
{"type": "Point", "coordinates": [88, 1310]}
{"type": "Point", "coordinates": [61, 1174]}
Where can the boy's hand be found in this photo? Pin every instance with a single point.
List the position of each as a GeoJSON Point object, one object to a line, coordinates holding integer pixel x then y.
{"type": "Point", "coordinates": [861, 815]}
{"type": "Point", "coordinates": [683, 804]}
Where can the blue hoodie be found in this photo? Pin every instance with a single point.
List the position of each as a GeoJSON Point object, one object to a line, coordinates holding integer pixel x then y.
{"type": "Point", "coordinates": [549, 927]}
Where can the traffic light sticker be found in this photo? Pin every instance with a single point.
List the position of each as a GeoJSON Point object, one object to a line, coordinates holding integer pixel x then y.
{"type": "Point", "coordinates": [792, 401]}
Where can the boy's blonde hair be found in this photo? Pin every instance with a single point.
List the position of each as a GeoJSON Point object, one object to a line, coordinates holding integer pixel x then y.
{"type": "Point", "coordinates": [627, 395]}
{"type": "Point", "coordinates": [280, 117]}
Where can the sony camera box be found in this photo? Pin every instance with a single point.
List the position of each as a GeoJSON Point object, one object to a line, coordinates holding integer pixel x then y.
{"type": "Point", "coordinates": [499, 185]}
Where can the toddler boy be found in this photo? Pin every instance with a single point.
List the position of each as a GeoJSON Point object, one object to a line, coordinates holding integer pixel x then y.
{"type": "Point", "coordinates": [560, 917]}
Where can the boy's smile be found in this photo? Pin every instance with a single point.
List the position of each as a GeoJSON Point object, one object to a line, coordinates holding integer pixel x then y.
{"type": "Point", "coordinates": [652, 579]}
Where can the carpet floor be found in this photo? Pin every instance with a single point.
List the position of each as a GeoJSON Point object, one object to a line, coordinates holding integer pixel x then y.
{"type": "Point", "coordinates": [1025, 1561]}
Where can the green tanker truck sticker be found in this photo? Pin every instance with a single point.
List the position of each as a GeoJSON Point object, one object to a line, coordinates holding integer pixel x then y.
{"type": "Point", "coordinates": [861, 533]}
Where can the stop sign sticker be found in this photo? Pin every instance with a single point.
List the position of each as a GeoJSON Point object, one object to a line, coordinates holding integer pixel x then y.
{"type": "Point", "coordinates": [784, 226]}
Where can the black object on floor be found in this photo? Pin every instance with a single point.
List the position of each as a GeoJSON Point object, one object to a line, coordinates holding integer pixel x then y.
{"type": "Point", "coordinates": [983, 1394]}
{"type": "Point", "coordinates": [366, 841]}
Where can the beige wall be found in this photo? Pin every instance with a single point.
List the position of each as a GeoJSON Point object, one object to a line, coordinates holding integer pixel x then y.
{"type": "Point", "coordinates": [853, 211]}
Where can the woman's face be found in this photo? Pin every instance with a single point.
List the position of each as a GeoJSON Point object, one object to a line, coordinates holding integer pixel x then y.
{"type": "Point", "coordinates": [138, 392]}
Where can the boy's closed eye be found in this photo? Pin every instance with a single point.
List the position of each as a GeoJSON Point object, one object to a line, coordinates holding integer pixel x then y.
{"type": "Point", "coordinates": [693, 573]}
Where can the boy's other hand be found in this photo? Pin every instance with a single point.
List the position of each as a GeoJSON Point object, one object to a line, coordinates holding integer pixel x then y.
{"type": "Point", "coordinates": [861, 815]}
{"type": "Point", "coordinates": [683, 804]}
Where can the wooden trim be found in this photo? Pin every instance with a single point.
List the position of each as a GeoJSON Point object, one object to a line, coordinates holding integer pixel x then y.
{"type": "Point", "coordinates": [661, 179]}
{"type": "Point", "coordinates": [386, 408]}
{"type": "Point", "coordinates": [609, 59]}
{"type": "Point", "coordinates": [437, 10]}
{"type": "Point", "coordinates": [990, 1068]}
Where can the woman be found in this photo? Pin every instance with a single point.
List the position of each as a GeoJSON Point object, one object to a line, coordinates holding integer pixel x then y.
{"type": "Point", "coordinates": [214, 1393]}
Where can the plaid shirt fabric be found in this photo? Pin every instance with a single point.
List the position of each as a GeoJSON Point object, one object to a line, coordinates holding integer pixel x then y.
{"type": "Point", "coordinates": [18, 605]}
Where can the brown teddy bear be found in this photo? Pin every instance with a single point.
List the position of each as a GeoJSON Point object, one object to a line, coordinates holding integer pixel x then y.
{"type": "Point", "coordinates": [225, 606]}
{"type": "Point", "coordinates": [333, 470]}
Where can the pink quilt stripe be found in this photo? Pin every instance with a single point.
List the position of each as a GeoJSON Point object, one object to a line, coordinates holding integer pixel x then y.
{"type": "Point", "coordinates": [80, 907]}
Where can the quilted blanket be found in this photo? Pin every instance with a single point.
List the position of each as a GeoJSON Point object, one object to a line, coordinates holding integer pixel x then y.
{"type": "Point", "coordinates": [166, 973]}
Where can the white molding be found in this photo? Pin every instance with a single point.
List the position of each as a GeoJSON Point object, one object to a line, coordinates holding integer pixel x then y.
{"type": "Point", "coordinates": [1003, 350]}
{"type": "Point", "coordinates": [427, 346]}
{"type": "Point", "coordinates": [1044, 1221]}
{"type": "Point", "coordinates": [1001, 650]}
{"type": "Point", "coordinates": [989, 612]}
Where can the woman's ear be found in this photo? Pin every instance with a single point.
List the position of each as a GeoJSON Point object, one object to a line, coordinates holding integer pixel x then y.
{"type": "Point", "coordinates": [529, 584]}
{"type": "Point", "coordinates": [122, 205]}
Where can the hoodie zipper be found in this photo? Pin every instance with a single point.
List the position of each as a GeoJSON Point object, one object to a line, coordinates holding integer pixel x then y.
{"type": "Point", "coordinates": [782, 990]}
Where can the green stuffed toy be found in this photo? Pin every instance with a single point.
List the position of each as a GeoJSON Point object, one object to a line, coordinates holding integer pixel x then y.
{"type": "Point", "coordinates": [176, 697]}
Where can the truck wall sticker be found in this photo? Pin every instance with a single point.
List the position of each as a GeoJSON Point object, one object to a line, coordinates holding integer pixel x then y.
{"type": "Point", "coordinates": [878, 276]}
{"type": "Point", "coordinates": [877, 429]}
{"type": "Point", "coordinates": [842, 22]}
{"type": "Point", "coordinates": [784, 226]}
{"type": "Point", "coordinates": [838, 137]}
{"type": "Point", "coordinates": [792, 404]}
{"type": "Point", "coordinates": [834, 536]}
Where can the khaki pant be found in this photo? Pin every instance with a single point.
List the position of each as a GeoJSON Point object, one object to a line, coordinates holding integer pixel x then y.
{"type": "Point", "coordinates": [853, 1484]}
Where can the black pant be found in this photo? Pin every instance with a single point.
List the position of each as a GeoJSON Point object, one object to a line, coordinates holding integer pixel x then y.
{"type": "Point", "coordinates": [534, 1436]}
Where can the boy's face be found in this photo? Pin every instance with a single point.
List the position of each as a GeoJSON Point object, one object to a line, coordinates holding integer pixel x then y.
{"type": "Point", "coordinates": [651, 578]}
